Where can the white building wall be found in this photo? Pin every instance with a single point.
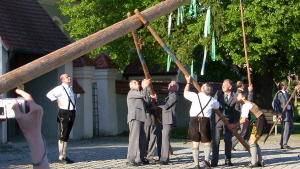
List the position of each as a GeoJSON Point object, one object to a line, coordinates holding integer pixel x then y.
{"type": "Point", "coordinates": [108, 117]}
{"type": "Point", "coordinates": [84, 76]}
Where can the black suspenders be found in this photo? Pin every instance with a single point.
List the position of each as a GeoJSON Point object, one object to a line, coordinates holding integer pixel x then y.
{"type": "Point", "coordinates": [70, 101]}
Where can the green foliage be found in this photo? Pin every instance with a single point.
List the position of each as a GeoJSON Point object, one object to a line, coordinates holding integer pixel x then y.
{"type": "Point", "coordinates": [271, 27]}
{"type": "Point", "coordinates": [272, 35]}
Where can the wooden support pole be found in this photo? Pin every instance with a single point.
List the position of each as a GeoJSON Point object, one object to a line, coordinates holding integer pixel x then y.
{"type": "Point", "coordinates": [145, 69]}
{"type": "Point", "coordinates": [286, 104]}
{"type": "Point", "coordinates": [68, 53]}
{"type": "Point", "coordinates": [196, 85]}
{"type": "Point", "coordinates": [245, 44]}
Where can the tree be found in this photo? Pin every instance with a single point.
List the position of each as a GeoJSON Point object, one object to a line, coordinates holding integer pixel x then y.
{"type": "Point", "coordinates": [271, 28]}
{"type": "Point", "coordinates": [273, 41]}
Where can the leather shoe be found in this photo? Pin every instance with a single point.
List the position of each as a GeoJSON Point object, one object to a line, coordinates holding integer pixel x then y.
{"type": "Point", "coordinates": [145, 162]}
{"type": "Point", "coordinates": [62, 161]}
{"type": "Point", "coordinates": [286, 147]}
{"type": "Point", "coordinates": [69, 160]}
{"type": "Point", "coordinates": [252, 165]}
{"type": "Point", "coordinates": [65, 161]}
{"type": "Point", "coordinates": [162, 163]}
{"type": "Point", "coordinates": [206, 164]}
{"type": "Point", "coordinates": [132, 164]}
{"type": "Point", "coordinates": [151, 160]}
{"type": "Point", "coordinates": [228, 163]}
{"type": "Point", "coordinates": [197, 167]}
{"type": "Point", "coordinates": [214, 165]}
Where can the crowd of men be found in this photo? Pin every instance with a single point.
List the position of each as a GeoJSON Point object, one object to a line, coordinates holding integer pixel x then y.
{"type": "Point", "coordinates": [150, 124]}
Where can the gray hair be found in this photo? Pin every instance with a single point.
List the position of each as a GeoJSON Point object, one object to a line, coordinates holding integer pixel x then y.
{"type": "Point", "coordinates": [206, 89]}
{"type": "Point", "coordinates": [177, 86]}
{"type": "Point", "coordinates": [229, 81]}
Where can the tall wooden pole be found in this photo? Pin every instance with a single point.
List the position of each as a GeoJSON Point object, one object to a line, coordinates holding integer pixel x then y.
{"type": "Point", "coordinates": [196, 85]}
{"type": "Point", "coordinates": [68, 53]}
{"type": "Point", "coordinates": [245, 43]}
{"type": "Point", "coordinates": [147, 76]}
{"type": "Point", "coordinates": [145, 68]}
{"type": "Point", "coordinates": [285, 106]}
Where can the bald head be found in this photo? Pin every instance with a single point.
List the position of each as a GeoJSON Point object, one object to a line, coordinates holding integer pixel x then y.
{"type": "Point", "coordinates": [65, 78]}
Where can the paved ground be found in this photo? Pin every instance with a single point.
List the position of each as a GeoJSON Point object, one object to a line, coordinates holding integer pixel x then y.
{"type": "Point", "coordinates": [110, 153]}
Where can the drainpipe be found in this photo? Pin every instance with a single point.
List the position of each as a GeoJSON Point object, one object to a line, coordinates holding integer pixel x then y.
{"type": "Point", "coordinates": [10, 57]}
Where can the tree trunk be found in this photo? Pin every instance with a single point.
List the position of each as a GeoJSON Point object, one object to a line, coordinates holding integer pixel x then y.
{"type": "Point", "coordinates": [263, 87]}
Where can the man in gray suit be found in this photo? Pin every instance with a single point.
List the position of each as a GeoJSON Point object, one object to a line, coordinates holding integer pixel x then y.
{"type": "Point", "coordinates": [169, 120]}
{"type": "Point", "coordinates": [246, 134]}
{"type": "Point", "coordinates": [150, 128]}
{"type": "Point", "coordinates": [135, 119]}
{"type": "Point", "coordinates": [279, 101]}
{"type": "Point", "coordinates": [228, 107]}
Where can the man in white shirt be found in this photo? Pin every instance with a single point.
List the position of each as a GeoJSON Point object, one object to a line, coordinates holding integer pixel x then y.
{"type": "Point", "coordinates": [258, 125]}
{"type": "Point", "coordinates": [65, 98]}
{"type": "Point", "coordinates": [199, 126]}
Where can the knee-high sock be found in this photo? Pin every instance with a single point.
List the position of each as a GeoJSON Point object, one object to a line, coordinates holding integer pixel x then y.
{"type": "Point", "coordinates": [253, 150]}
{"type": "Point", "coordinates": [207, 150]}
{"type": "Point", "coordinates": [196, 155]}
{"type": "Point", "coordinates": [259, 154]}
{"type": "Point", "coordinates": [65, 149]}
{"type": "Point", "coordinates": [60, 149]}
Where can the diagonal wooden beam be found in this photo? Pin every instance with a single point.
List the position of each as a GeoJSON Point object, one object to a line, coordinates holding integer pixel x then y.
{"type": "Point", "coordinates": [68, 53]}
{"type": "Point", "coordinates": [196, 85]}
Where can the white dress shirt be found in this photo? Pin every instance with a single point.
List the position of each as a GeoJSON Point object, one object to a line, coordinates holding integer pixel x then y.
{"type": "Point", "coordinates": [246, 107]}
{"type": "Point", "coordinates": [195, 107]}
{"type": "Point", "coordinates": [58, 93]}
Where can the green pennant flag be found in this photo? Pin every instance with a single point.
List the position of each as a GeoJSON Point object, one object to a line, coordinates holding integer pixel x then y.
{"type": "Point", "coordinates": [168, 63]}
{"type": "Point", "coordinates": [178, 16]}
{"type": "Point", "coordinates": [192, 69]}
{"type": "Point", "coordinates": [213, 47]}
{"type": "Point", "coordinates": [203, 63]}
{"type": "Point", "coordinates": [169, 24]}
{"type": "Point", "coordinates": [182, 14]}
{"type": "Point", "coordinates": [169, 32]}
{"type": "Point", "coordinates": [207, 23]}
{"type": "Point", "coordinates": [193, 9]}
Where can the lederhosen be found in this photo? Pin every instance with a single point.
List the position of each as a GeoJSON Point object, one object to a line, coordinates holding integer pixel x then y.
{"type": "Point", "coordinates": [258, 125]}
{"type": "Point", "coordinates": [66, 119]}
{"type": "Point", "coordinates": [199, 127]}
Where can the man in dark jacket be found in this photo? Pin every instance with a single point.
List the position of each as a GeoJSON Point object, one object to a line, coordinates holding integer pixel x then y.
{"type": "Point", "coordinates": [169, 120]}
{"type": "Point", "coordinates": [279, 101]}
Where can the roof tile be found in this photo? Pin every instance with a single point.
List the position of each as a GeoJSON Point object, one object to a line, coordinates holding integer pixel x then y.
{"type": "Point", "coordinates": [83, 61]}
{"type": "Point", "coordinates": [103, 62]}
{"type": "Point", "coordinates": [135, 68]}
{"type": "Point", "coordinates": [26, 27]}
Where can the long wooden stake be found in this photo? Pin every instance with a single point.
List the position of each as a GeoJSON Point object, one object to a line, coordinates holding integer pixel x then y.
{"type": "Point", "coordinates": [145, 68]}
{"type": "Point", "coordinates": [196, 85]}
{"type": "Point", "coordinates": [68, 53]}
{"type": "Point", "coordinates": [285, 106]}
{"type": "Point", "coordinates": [147, 75]}
{"type": "Point", "coordinates": [245, 43]}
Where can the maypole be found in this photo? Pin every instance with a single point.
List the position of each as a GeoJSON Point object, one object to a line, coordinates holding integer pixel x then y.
{"type": "Point", "coordinates": [68, 53]}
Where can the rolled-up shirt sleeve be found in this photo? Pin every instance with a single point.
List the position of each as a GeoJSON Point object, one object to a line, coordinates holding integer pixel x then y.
{"type": "Point", "coordinates": [54, 94]}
